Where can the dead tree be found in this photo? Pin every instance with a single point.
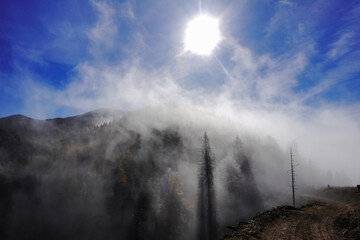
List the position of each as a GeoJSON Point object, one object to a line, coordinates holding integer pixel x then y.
{"type": "Point", "coordinates": [292, 176]}
{"type": "Point", "coordinates": [206, 205]}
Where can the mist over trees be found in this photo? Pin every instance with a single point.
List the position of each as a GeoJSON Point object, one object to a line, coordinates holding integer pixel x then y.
{"type": "Point", "coordinates": [241, 183]}
{"type": "Point", "coordinates": [113, 175]}
{"type": "Point", "coordinates": [207, 226]}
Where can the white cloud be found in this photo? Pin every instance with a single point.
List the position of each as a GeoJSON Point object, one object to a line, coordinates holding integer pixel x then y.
{"type": "Point", "coordinates": [126, 10]}
{"type": "Point", "coordinates": [341, 46]}
{"type": "Point", "coordinates": [257, 91]}
{"type": "Point", "coordinates": [105, 30]}
{"type": "Point", "coordinates": [327, 135]}
{"type": "Point", "coordinates": [32, 55]}
{"type": "Point", "coordinates": [286, 2]}
{"type": "Point", "coordinates": [264, 78]}
{"type": "Point", "coordinates": [123, 87]}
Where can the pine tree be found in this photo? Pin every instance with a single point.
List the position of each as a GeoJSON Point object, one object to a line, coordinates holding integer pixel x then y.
{"type": "Point", "coordinates": [138, 229]}
{"type": "Point", "coordinates": [206, 205]}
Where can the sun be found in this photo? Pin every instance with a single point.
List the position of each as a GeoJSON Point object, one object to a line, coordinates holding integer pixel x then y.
{"type": "Point", "coordinates": [202, 35]}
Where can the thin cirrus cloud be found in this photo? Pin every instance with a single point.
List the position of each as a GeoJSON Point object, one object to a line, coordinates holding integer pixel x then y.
{"type": "Point", "coordinates": [105, 28]}
{"type": "Point", "coordinates": [341, 46]}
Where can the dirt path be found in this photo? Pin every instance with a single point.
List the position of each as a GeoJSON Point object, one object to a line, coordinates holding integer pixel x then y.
{"type": "Point", "coordinates": [313, 222]}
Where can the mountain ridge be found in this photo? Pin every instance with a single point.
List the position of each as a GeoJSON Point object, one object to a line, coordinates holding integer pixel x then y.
{"type": "Point", "coordinates": [124, 173]}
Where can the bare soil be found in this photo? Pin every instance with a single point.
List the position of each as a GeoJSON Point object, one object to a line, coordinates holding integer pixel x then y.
{"type": "Point", "coordinates": [333, 214]}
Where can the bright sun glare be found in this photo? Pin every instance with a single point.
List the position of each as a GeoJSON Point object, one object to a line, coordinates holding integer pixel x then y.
{"type": "Point", "coordinates": [202, 35]}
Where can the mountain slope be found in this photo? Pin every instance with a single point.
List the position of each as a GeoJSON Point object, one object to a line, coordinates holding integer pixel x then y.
{"type": "Point", "coordinates": [112, 174]}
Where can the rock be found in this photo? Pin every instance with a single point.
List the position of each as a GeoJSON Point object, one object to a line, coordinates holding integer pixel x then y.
{"type": "Point", "coordinates": [253, 228]}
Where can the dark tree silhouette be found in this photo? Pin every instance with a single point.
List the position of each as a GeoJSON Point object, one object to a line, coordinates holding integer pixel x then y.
{"type": "Point", "coordinates": [206, 205]}
{"type": "Point", "coordinates": [139, 229]}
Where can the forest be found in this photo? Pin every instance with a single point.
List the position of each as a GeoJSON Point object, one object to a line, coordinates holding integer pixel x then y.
{"type": "Point", "coordinates": [137, 175]}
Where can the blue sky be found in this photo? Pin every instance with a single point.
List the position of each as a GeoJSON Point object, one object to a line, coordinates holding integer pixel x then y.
{"type": "Point", "coordinates": [303, 52]}
{"type": "Point", "coordinates": [284, 68]}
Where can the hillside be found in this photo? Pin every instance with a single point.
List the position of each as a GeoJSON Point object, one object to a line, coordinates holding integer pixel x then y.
{"type": "Point", "coordinates": [131, 175]}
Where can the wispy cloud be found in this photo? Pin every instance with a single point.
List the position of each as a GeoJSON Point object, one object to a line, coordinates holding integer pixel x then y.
{"type": "Point", "coordinates": [341, 46]}
{"type": "Point", "coordinates": [286, 2]}
{"type": "Point", "coordinates": [123, 87]}
{"type": "Point", "coordinates": [264, 78]}
{"type": "Point", "coordinates": [105, 30]}
{"type": "Point", "coordinates": [126, 10]}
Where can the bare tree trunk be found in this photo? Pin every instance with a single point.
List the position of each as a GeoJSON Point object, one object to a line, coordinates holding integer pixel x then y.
{"type": "Point", "coordinates": [292, 177]}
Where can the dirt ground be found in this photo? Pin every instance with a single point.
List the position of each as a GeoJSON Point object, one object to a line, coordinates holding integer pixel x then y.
{"type": "Point", "coordinates": [333, 214]}
{"type": "Point", "coordinates": [313, 222]}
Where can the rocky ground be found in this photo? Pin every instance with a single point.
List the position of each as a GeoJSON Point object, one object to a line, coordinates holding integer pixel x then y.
{"type": "Point", "coordinates": [334, 213]}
